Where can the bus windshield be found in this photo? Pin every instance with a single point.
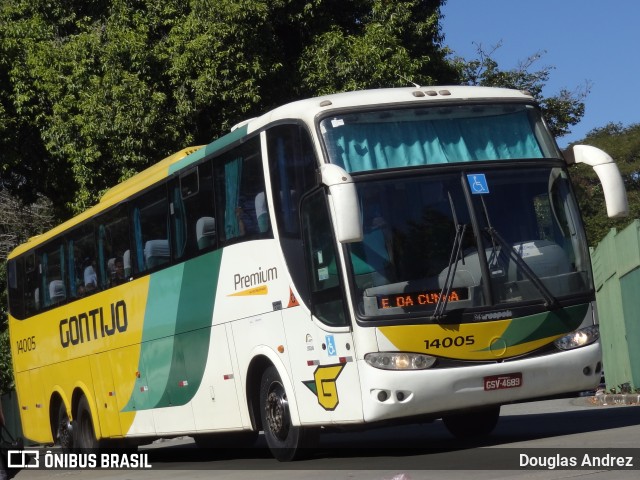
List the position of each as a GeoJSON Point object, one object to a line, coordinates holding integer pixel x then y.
{"type": "Point", "coordinates": [499, 236]}
{"type": "Point", "coordinates": [396, 138]}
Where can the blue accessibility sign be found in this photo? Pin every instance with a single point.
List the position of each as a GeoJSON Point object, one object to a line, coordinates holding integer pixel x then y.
{"type": "Point", "coordinates": [331, 345]}
{"type": "Point", "coordinates": [478, 183]}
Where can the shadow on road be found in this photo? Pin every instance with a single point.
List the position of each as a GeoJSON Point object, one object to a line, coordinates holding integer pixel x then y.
{"type": "Point", "coordinates": [408, 446]}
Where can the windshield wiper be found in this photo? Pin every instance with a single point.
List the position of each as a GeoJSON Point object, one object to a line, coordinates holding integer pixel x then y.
{"type": "Point", "coordinates": [454, 258]}
{"type": "Point", "coordinates": [550, 300]}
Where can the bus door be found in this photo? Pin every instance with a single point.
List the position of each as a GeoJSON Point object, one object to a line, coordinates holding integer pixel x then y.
{"type": "Point", "coordinates": [319, 336]}
{"type": "Point", "coordinates": [324, 371]}
{"type": "Point", "coordinates": [323, 363]}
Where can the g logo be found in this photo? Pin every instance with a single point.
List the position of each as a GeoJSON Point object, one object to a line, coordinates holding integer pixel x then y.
{"type": "Point", "coordinates": [324, 385]}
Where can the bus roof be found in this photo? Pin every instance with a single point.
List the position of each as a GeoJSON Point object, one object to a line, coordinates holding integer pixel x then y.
{"type": "Point", "coordinates": [308, 109]}
{"type": "Point", "coordinates": [305, 110]}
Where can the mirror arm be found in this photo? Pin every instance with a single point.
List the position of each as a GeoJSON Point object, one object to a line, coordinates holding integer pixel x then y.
{"type": "Point", "coordinates": [615, 194]}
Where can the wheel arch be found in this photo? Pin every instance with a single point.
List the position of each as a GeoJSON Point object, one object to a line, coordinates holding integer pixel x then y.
{"type": "Point", "coordinates": [260, 361]}
{"type": "Point", "coordinates": [56, 401]}
{"type": "Point", "coordinates": [82, 391]}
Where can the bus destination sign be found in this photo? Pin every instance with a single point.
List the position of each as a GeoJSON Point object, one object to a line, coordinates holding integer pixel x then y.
{"type": "Point", "coordinates": [423, 298]}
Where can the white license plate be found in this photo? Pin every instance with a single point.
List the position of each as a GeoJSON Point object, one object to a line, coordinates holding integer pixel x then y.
{"type": "Point", "coordinates": [498, 382]}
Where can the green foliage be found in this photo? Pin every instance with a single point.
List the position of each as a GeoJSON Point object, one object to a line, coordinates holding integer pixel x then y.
{"type": "Point", "coordinates": [92, 92]}
{"type": "Point", "coordinates": [623, 144]}
{"type": "Point", "coordinates": [561, 111]}
{"type": "Point", "coordinates": [6, 367]}
{"type": "Point", "coordinates": [395, 42]}
{"type": "Point", "coordinates": [18, 222]}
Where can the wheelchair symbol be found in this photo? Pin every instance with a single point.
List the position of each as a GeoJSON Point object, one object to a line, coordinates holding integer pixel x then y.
{"type": "Point", "coordinates": [478, 183]}
{"type": "Point", "coordinates": [331, 345]}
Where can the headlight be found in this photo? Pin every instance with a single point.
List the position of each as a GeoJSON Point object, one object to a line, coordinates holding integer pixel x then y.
{"type": "Point", "coordinates": [579, 338]}
{"type": "Point", "coordinates": [399, 360]}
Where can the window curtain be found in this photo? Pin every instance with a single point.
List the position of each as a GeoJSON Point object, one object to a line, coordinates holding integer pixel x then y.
{"type": "Point", "coordinates": [62, 264]}
{"type": "Point", "coordinates": [45, 283]}
{"type": "Point", "coordinates": [285, 188]}
{"type": "Point", "coordinates": [179, 222]}
{"type": "Point", "coordinates": [232, 177]}
{"type": "Point", "coordinates": [137, 231]}
{"type": "Point", "coordinates": [373, 146]}
{"type": "Point", "coordinates": [72, 269]}
{"type": "Point", "coordinates": [101, 263]}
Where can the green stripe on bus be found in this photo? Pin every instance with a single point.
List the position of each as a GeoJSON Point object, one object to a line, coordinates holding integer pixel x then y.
{"type": "Point", "coordinates": [543, 325]}
{"type": "Point", "coordinates": [176, 333]}
{"type": "Point", "coordinates": [213, 147]}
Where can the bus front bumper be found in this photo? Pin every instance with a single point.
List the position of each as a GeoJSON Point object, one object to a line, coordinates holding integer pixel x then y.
{"type": "Point", "coordinates": [391, 394]}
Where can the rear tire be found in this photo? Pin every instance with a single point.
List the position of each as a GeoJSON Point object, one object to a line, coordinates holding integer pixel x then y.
{"type": "Point", "coordinates": [84, 436]}
{"type": "Point", "coordinates": [472, 425]}
{"type": "Point", "coordinates": [286, 441]}
{"type": "Point", "coordinates": [64, 434]}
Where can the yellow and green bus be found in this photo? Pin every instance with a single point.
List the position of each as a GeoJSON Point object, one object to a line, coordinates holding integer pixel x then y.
{"type": "Point", "coordinates": [348, 260]}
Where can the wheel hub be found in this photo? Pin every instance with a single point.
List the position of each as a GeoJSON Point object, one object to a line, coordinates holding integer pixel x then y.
{"type": "Point", "coordinates": [65, 434]}
{"type": "Point", "coordinates": [277, 410]}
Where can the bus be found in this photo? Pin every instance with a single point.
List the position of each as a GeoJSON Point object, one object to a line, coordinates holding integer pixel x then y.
{"type": "Point", "coordinates": [391, 255]}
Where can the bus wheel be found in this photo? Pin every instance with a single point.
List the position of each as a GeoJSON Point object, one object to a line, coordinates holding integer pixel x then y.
{"type": "Point", "coordinates": [64, 435]}
{"type": "Point", "coordinates": [471, 425]}
{"type": "Point", "coordinates": [84, 436]}
{"type": "Point", "coordinates": [285, 440]}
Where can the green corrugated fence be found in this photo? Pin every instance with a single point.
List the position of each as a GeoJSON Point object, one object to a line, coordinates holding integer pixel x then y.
{"type": "Point", "coordinates": [616, 269]}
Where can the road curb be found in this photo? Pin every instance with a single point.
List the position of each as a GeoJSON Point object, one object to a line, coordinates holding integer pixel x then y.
{"type": "Point", "coordinates": [616, 399]}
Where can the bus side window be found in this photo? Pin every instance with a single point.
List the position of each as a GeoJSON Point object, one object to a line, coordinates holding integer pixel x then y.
{"type": "Point", "coordinates": [15, 281]}
{"type": "Point", "coordinates": [114, 247]}
{"type": "Point", "coordinates": [31, 285]}
{"type": "Point", "coordinates": [53, 268]}
{"type": "Point", "coordinates": [81, 254]}
{"type": "Point", "coordinates": [321, 260]}
{"type": "Point", "coordinates": [193, 217]}
{"type": "Point", "coordinates": [151, 230]}
{"type": "Point", "coordinates": [292, 166]}
{"type": "Point", "coordinates": [239, 180]}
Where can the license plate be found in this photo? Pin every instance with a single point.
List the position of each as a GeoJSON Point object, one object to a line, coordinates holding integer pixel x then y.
{"type": "Point", "coordinates": [498, 382]}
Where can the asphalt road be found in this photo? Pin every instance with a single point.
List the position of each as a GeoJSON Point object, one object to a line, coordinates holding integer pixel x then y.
{"type": "Point", "coordinates": [545, 433]}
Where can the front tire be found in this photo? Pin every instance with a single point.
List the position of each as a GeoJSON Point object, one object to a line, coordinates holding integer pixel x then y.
{"type": "Point", "coordinates": [285, 440]}
{"type": "Point", "coordinates": [472, 425]}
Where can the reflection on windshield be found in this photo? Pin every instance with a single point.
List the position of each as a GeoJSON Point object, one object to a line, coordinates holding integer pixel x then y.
{"type": "Point", "coordinates": [420, 251]}
{"type": "Point", "coordinates": [429, 135]}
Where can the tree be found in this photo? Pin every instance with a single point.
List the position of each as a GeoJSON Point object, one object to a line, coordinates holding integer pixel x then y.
{"type": "Point", "coordinates": [389, 45]}
{"type": "Point", "coordinates": [18, 222]}
{"type": "Point", "coordinates": [561, 111]}
{"type": "Point", "coordinates": [623, 144]}
{"type": "Point", "coordinates": [92, 92]}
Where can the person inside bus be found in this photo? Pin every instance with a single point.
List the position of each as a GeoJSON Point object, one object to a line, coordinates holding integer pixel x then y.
{"type": "Point", "coordinates": [240, 216]}
{"type": "Point", "coordinates": [117, 276]}
{"type": "Point", "coordinates": [262, 215]}
{"type": "Point", "coordinates": [90, 275]}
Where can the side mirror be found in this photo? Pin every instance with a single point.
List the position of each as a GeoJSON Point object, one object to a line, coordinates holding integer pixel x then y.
{"type": "Point", "coordinates": [615, 195]}
{"type": "Point", "coordinates": [344, 203]}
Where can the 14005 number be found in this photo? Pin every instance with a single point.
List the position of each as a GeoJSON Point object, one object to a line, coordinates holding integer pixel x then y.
{"type": "Point", "coordinates": [26, 344]}
{"type": "Point", "coordinates": [448, 342]}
